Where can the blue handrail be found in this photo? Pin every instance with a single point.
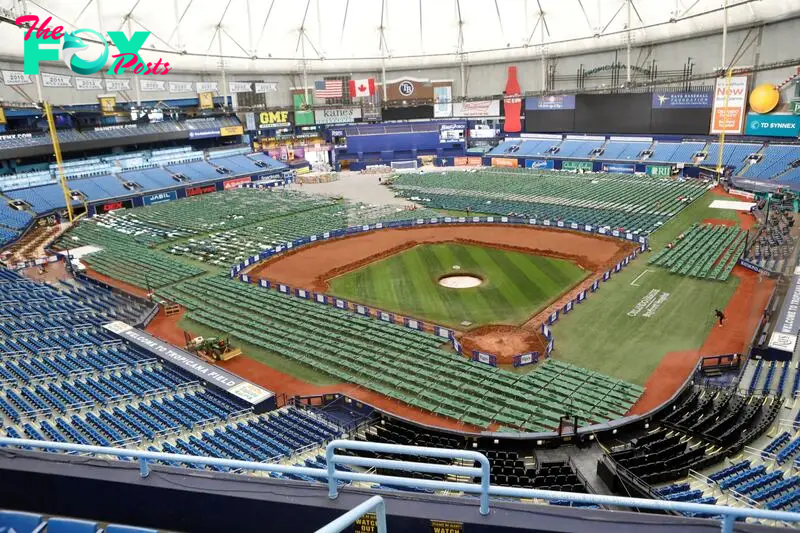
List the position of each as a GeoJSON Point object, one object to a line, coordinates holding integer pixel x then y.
{"type": "Point", "coordinates": [484, 489]}
{"type": "Point", "coordinates": [376, 502]}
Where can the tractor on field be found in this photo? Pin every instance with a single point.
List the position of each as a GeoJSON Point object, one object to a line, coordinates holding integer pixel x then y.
{"type": "Point", "coordinates": [211, 348]}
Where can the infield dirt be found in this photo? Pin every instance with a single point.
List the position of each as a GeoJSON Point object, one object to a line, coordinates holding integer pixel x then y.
{"type": "Point", "coordinates": [311, 267]}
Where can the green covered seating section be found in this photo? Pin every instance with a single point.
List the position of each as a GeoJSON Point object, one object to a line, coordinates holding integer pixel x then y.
{"type": "Point", "coordinates": [401, 363]}
{"type": "Point", "coordinates": [706, 251]}
{"type": "Point", "coordinates": [639, 204]}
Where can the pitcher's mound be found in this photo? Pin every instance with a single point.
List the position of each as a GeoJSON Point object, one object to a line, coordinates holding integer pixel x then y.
{"type": "Point", "coordinates": [504, 341]}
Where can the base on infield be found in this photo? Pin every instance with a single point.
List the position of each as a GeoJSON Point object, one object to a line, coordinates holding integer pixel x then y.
{"type": "Point", "coordinates": [460, 281]}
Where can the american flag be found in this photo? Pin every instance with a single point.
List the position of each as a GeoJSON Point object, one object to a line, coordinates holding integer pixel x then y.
{"type": "Point", "coordinates": [328, 89]}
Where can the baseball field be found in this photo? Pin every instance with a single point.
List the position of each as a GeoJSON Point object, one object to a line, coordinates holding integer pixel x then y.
{"type": "Point", "coordinates": [513, 285]}
{"type": "Point", "coordinates": [645, 312]}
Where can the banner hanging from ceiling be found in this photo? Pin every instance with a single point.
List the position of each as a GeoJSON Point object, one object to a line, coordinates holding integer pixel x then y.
{"type": "Point", "coordinates": [56, 80]}
{"type": "Point", "coordinates": [730, 98]}
{"type": "Point", "coordinates": [88, 84]}
{"type": "Point", "coordinates": [181, 87]}
{"type": "Point", "coordinates": [443, 101]}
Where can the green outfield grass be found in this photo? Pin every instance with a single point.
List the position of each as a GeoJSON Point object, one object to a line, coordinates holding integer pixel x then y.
{"type": "Point", "coordinates": [600, 335]}
{"type": "Point", "coordinates": [515, 285]}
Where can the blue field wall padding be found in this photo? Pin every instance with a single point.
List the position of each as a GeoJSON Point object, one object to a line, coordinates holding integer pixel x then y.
{"type": "Point", "coordinates": [446, 334]}
{"type": "Point", "coordinates": [485, 358]}
{"type": "Point", "coordinates": [525, 359]}
{"type": "Point", "coordinates": [413, 323]}
{"type": "Point", "coordinates": [384, 316]}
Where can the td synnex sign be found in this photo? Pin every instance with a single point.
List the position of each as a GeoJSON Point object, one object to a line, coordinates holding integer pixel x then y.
{"type": "Point", "coordinates": [773, 125]}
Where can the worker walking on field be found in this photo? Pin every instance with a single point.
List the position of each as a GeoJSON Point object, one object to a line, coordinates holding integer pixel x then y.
{"type": "Point", "coordinates": [720, 316]}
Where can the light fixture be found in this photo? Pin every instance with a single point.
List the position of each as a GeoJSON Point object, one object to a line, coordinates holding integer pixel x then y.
{"type": "Point", "coordinates": [539, 442]}
{"type": "Point", "coordinates": [614, 431]}
{"type": "Point", "coordinates": [647, 425]}
{"type": "Point", "coordinates": [496, 441]}
{"type": "Point", "coordinates": [591, 437]}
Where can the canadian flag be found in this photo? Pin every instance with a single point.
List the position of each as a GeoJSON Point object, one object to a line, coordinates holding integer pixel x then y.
{"type": "Point", "coordinates": [364, 87]}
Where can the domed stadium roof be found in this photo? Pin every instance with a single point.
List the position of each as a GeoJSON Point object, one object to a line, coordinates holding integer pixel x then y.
{"type": "Point", "coordinates": [351, 35]}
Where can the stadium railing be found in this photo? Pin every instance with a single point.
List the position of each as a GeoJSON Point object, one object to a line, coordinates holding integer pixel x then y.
{"type": "Point", "coordinates": [376, 503]}
{"type": "Point", "coordinates": [728, 515]}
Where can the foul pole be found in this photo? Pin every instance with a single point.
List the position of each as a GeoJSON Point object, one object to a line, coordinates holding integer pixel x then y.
{"type": "Point", "coordinates": [48, 111]}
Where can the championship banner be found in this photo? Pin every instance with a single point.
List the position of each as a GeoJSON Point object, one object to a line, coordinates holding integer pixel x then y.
{"type": "Point", "coordinates": [181, 87]}
{"type": "Point", "coordinates": [118, 84]}
{"type": "Point", "coordinates": [152, 85]}
{"type": "Point", "coordinates": [206, 86]}
{"type": "Point", "coordinates": [56, 80]}
{"type": "Point", "coordinates": [206, 100]}
{"type": "Point", "coordinates": [266, 87]}
{"type": "Point", "coordinates": [239, 87]}
{"type": "Point", "coordinates": [730, 99]}
{"type": "Point", "coordinates": [16, 77]}
{"type": "Point", "coordinates": [2, 116]}
{"type": "Point", "coordinates": [107, 104]}
{"type": "Point", "coordinates": [88, 84]}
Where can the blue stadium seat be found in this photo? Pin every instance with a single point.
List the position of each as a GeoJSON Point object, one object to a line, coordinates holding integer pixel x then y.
{"type": "Point", "coordinates": [116, 528]}
{"type": "Point", "coordinates": [20, 522]}
{"type": "Point", "coordinates": [70, 525]}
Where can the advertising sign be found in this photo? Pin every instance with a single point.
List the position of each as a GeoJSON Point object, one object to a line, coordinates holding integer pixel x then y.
{"type": "Point", "coordinates": [549, 103]}
{"type": "Point", "coordinates": [773, 125]}
{"type": "Point", "coordinates": [451, 133]}
{"type": "Point", "coordinates": [345, 115]}
{"type": "Point", "coordinates": [477, 108]}
{"type": "Point", "coordinates": [467, 161]}
{"type": "Point", "coordinates": [197, 191]}
{"type": "Point", "coordinates": [659, 170]}
{"type": "Point", "coordinates": [730, 98]}
{"type": "Point", "coordinates": [160, 198]}
{"type": "Point", "coordinates": [113, 206]}
{"type": "Point", "coordinates": [576, 165]}
{"type": "Point", "coordinates": [192, 364]}
{"type": "Point", "coordinates": [505, 162]}
{"type": "Point", "coordinates": [227, 131]}
{"type": "Point", "coordinates": [619, 169]}
{"type": "Point", "coordinates": [203, 134]}
{"type": "Point", "coordinates": [274, 119]}
{"type": "Point", "coordinates": [539, 163]}
{"type": "Point", "coordinates": [675, 100]}
{"type": "Point", "coordinates": [234, 183]}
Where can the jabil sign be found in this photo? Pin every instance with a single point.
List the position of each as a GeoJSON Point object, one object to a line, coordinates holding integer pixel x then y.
{"type": "Point", "coordinates": [127, 58]}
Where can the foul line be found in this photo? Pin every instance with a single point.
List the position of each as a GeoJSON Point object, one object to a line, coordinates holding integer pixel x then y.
{"type": "Point", "coordinates": [639, 276]}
